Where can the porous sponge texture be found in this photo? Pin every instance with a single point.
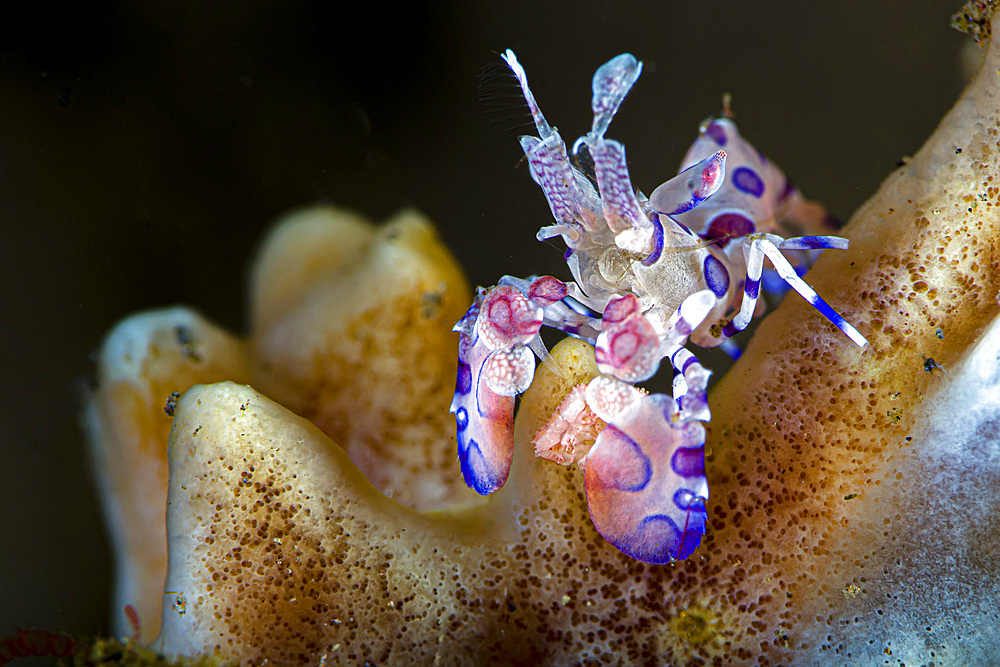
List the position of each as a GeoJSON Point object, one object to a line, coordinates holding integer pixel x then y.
{"type": "Point", "coordinates": [364, 348]}
{"type": "Point", "coordinates": [350, 327]}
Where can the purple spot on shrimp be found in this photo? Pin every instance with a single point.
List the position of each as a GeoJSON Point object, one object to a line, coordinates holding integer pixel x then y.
{"type": "Point", "coordinates": [689, 461]}
{"type": "Point", "coordinates": [656, 540]}
{"type": "Point", "coordinates": [746, 180]}
{"type": "Point", "coordinates": [730, 226]}
{"type": "Point", "coordinates": [567, 254]}
{"type": "Point", "coordinates": [813, 243]}
{"type": "Point", "coordinates": [718, 135]}
{"type": "Point", "coordinates": [631, 470]}
{"type": "Point", "coordinates": [752, 288]}
{"type": "Point", "coordinates": [716, 276]}
{"type": "Point", "coordinates": [463, 383]}
{"type": "Point", "coordinates": [687, 363]}
{"type": "Point", "coordinates": [687, 500]}
{"type": "Point", "coordinates": [657, 242]}
{"type": "Point", "coordinates": [479, 474]}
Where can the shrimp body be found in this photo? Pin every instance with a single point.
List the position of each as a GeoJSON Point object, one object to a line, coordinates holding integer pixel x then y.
{"type": "Point", "coordinates": [649, 273]}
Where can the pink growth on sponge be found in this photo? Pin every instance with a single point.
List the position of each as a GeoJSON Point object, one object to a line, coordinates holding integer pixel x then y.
{"type": "Point", "coordinates": [571, 430]}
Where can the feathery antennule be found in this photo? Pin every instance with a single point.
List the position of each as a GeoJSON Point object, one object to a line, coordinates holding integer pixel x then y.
{"type": "Point", "coordinates": [503, 103]}
{"type": "Point", "coordinates": [543, 127]}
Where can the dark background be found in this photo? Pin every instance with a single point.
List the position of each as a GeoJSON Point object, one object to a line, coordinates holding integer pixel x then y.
{"type": "Point", "coordinates": [144, 148]}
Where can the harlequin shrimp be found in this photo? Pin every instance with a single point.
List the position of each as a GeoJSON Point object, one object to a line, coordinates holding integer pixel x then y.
{"type": "Point", "coordinates": [649, 274]}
